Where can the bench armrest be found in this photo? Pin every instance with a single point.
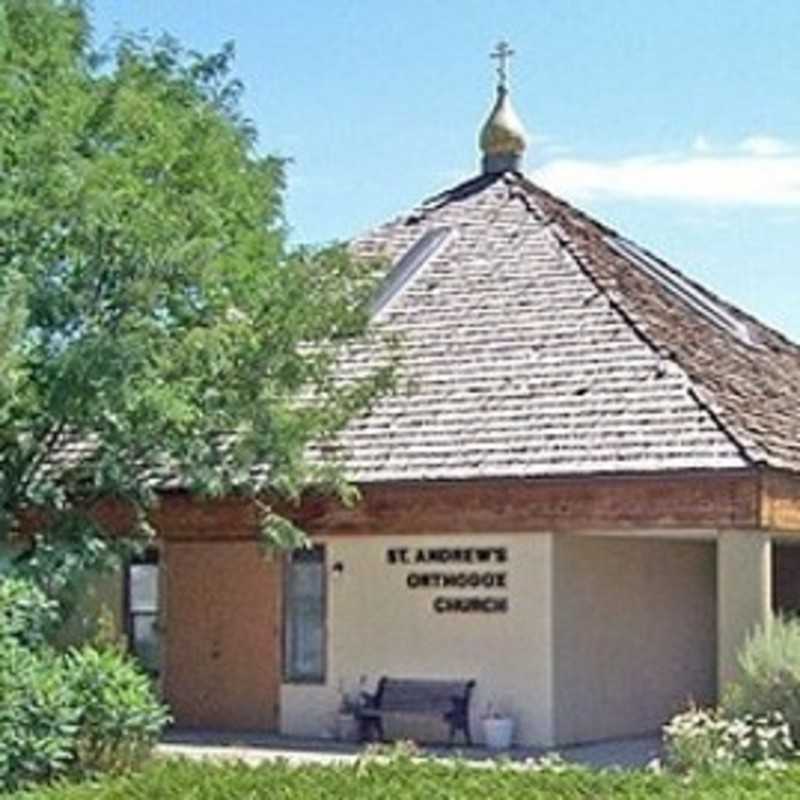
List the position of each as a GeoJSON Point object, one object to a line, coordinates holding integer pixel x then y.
{"type": "Point", "coordinates": [368, 699]}
{"type": "Point", "coordinates": [460, 703]}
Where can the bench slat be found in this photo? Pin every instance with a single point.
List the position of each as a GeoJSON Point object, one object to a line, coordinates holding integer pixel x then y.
{"type": "Point", "coordinates": [447, 698]}
{"type": "Point", "coordinates": [420, 695]}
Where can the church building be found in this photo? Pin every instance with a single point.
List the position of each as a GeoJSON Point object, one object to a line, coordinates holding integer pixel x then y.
{"type": "Point", "coordinates": [584, 495]}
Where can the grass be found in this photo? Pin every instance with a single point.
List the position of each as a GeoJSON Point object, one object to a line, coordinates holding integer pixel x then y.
{"type": "Point", "coordinates": [403, 779]}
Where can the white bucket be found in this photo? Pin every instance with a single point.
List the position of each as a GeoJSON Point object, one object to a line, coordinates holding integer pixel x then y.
{"type": "Point", "coordinates": [498, 732]}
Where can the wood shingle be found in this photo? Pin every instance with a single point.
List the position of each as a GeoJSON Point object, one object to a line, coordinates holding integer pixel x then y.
{"type": "Point", "coordinates": [537, 342]}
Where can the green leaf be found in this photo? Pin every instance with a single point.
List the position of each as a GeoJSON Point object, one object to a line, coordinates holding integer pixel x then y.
{"type": "Point", "coordinates": [154, 323]}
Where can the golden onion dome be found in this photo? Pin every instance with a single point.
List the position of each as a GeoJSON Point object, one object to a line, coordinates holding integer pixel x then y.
{"type": "Point", "coordinates": [503, 132]}
{"type": "Point", "coordinates": [503, 138]}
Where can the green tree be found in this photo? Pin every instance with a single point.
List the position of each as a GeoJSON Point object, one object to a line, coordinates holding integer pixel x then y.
{"type": "Point", "coordinates": [155, 326]}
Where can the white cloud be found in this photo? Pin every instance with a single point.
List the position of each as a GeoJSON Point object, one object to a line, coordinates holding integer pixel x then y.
{"type": "Point", "coordinates": [760, 170]}
{"type": "Point", "coordinates": [545, 144]}
{"type": "Point", "coordinates": [701, 144]}
{"type": "Point", "coordinates": [552, 149]}
{"type": "Point", "coordinates": [765, 146]}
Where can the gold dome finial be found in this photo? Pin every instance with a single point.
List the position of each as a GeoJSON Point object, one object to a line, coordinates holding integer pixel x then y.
{"type": "Point", "coordinates": [503, 139]}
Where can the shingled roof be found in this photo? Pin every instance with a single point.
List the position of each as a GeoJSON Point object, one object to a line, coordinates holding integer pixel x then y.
{"type": "Point", "coordinates": [538, 342]}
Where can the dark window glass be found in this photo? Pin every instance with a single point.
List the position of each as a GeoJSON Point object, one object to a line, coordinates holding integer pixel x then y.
{"type": "Point", "coordinates": [304, 617]}
{"type": "Point", "coordinates": [142, 607]}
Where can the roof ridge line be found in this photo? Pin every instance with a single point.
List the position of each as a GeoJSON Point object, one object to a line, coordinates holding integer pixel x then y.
{"type": "Point", "coordinates": [528, 185]}
{"type": "Point", "coordinates": [704, 404]}
{"type": "Point", "coordinates": [697, 393]}
{"type": "Point", "coordinates": [460, 191]}
{"type": "Point", "coordinates": [750, 449]}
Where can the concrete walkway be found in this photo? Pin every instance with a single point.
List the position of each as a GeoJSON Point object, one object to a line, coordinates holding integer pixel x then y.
{"type": "Point", "coordinates": [253, 749]}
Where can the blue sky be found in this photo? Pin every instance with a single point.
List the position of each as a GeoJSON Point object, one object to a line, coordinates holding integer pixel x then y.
{"type": "Point", "coordinates": [678, 123]}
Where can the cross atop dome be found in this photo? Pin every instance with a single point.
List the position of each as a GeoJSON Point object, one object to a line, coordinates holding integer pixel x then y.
{"type": "Point", "coordinates": [503, 138]}
{"type": "Point", "coordinates": [502, 54]}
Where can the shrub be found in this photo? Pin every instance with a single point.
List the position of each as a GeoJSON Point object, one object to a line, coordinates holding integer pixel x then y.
{"type": "Point", "coordinates": [120, 718]}
{"type": "Point", "coordinates": [26, 614]}
{"type": "Point", "coordinates": [38, 716]}
{"type": "Point", "coordinates": [89, 710]}
{"type": "Point", "coordinates": [769, 666]}
{"type": "Point", "coordinates": [706, 739]}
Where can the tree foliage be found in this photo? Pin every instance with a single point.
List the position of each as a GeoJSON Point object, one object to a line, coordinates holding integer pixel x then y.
{"type": "Point", "coordinates": [155, 327]}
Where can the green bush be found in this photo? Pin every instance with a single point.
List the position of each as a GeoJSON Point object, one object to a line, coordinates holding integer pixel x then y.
{"type": "Point", "coordinates": [38, 716]}
{"type": "Point", "coordinates": [120, 719]}
{"type": "Point", "coordinates": [769, 674]}
{"type": "Point", "coordinates": [26, 614]}
{"type": "Point", "coordinates": [78, 713]}
{"type": "Point", "coordinates": [758, 720]}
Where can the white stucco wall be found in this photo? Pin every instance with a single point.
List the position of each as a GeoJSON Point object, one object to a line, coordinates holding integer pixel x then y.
{"type": "Point", "coordinates": [744, 596]}
{"type": "Point", "coordinates": [378, 626]}
{"type": "Point", "coordinates": [635, 633]}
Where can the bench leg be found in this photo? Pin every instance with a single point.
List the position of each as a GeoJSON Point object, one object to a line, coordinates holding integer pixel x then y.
{"type": "Point", "coordinates": [459, 724]}
{"type": "Point", "coordinates": [370, 729]}
{"type": "Point", "coordinates": [467, 733]}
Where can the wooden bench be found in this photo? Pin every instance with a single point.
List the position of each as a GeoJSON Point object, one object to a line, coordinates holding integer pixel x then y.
{"type": "Point", "coordinates": [448, 699]}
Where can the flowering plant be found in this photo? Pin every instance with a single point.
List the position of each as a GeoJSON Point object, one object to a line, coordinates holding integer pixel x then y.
{"type": "Point", "coordinates": [703, 739]}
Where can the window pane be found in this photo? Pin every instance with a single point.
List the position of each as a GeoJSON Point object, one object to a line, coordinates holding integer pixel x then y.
{"type": "Point", "coordinates": [142, 608]}
{"type": "Point", "coordinates": [144, 635]}
{"type": "Point", "coordinates": [305, 617]}
{"type": "Point", "coordinates": [143, 587]}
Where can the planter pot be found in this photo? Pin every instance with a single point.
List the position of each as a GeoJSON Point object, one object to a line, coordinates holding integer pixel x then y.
{"type": "Point", "coordinates": [346, 728]}
{"type": "Point", "coordinates": [498, 732]}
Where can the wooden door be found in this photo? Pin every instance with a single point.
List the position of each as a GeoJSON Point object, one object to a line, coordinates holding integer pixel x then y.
{"type": "Point", "coordinates": [222, 653]}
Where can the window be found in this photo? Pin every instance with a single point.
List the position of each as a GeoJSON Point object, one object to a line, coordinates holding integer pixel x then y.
{"type": "Point", "coordinates": [684, 289]}
{"type": "Point", "coordinates": [409, 264]}
{"type": "Point", "coordinates": [141, 599]}
{"type": "Point", "coordinates": [304, 617]}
